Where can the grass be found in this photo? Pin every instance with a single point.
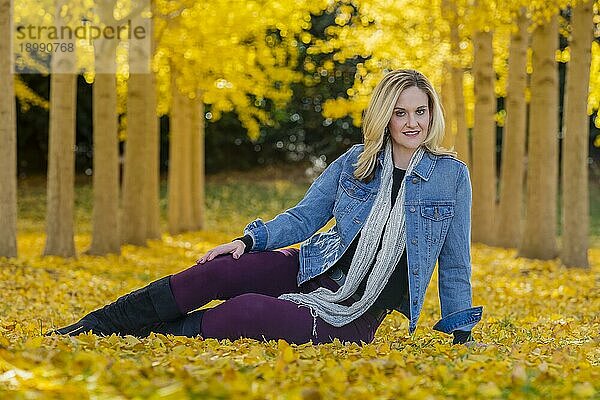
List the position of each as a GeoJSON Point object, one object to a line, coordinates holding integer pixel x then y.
{"type": "Point", "coordinates": [237, 198]}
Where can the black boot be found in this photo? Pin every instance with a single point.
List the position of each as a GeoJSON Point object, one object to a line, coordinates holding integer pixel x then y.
{"type": "Point", "coordinates": [189, 325]}
{"type": "Point", "coordinates": [129, 313]}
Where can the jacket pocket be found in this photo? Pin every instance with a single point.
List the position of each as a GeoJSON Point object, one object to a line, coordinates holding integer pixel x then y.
{"type": "Point", "coordinates": [436, 216]}
{"type": "Point", "coordinates": [352, 188]}
{"type": "Point", "coordinates": [350, 194]}
{"type": "Point", "coordinates": [437, 212]}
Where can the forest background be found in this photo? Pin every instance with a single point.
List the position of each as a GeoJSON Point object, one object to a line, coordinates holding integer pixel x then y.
{"type": "Point", "coordinates": [111, 180]}
{"type": "Point", "coordinates": [299, 135]}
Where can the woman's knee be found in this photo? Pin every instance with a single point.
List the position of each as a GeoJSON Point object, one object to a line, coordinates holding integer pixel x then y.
{"type": "Point", "coordinates": [246, 307]}
{"type": "Point", "coordinates": [236, 316]}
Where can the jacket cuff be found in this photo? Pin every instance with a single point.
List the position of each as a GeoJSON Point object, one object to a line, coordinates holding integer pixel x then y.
{"type": "Point", "coordinates": [463, 320]}
{"type": "Point", "coordinates": [258, 231]}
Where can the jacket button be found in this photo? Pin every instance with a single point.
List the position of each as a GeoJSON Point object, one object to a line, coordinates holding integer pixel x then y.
{"type": "Point", "coordinates": [412, 209]}
{"type": "Point", "coordinates": [414, 302]}
{"type": "Point", "coordinates": [415, 180]}
{"type": "Point", "coordinates": [414, 241]}
{"type": "Point", "coordinates": [415, 271]}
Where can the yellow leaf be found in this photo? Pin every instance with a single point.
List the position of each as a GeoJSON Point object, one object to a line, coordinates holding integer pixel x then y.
{"type": "Point", "coordinates": [489, 390]}
{"type": "Point", "coordinates": [34, 342]}
{"type": "Point", "coordinates": [584, 390]}
{"type": "Point", "coordinates": [288, 355]}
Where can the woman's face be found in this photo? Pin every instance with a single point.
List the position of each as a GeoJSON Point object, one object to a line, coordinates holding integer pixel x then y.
{"type": "Point", "coordinates": [409, 124]}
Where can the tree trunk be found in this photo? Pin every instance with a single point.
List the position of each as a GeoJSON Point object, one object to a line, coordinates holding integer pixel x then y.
{"type": "Point", "coordinates": [185, 158]}
{"type": "Point", "coordinates": [575, 207]}
{"type": "Point", "coordinates": [513, 144]}
{"type": "Point", "coordinates": [133, 225]}
{"type": "Point", "coordinates": [181, 159]}
{"type": "Point", "coordinates": [198, 196]}
{"type": "Point", "coordinates": [153, 170]}
{"type": "Point", "coordinates": [484, 140]}
{"type": "Point", "coordinates": [457, 112]}
{"type": "Point", "coordinates": [61, 157]}
{"type": "Point", "coordinates": [61, 166]}
{"type": "Point", "coordinates": [175, 149]}
{"type": "Point", "coordinates": [105, 218]}
{"type": "Point", "coordinates": [447, 96]}
{"type": "Point", "coordinates": [539, 234]}
{"type": "Point", "coordinates": [8, 140]}
{"type": "Point", "coordinates": [461, 140]}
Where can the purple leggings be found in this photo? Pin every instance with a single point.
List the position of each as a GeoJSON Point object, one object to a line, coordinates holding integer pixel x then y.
{"type": "Point", "coordinates": [250, 286]}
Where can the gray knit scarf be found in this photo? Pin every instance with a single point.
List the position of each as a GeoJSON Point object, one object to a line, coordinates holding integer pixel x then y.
{"type": "Point", "coordinates": [322, 302]}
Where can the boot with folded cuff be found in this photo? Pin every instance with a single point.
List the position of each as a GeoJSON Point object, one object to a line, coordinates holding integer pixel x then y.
{"type": "Point", "coordinates": [130, 314]}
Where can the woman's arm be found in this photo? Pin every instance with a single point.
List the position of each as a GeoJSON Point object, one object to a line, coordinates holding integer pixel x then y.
{"type": "Point", "coordinates": [293, 225]}
{"type": "Point", "coordinates": [303, 220]}
{"type": "Point", "coordinates": [454, 271]}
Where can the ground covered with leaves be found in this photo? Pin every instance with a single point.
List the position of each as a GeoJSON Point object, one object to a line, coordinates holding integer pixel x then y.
{"type": "Point", "coordinates": [541, 322]}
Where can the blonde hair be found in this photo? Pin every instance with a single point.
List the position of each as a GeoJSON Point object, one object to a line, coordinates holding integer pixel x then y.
{"type": "Point", "coordinates": [379, 112]}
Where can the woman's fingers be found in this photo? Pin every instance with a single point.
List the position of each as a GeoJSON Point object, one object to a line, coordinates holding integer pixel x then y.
{"type": "Point", "coordinates": [213, 254]}
{"type": "Point", "coordinates": [207, 257]}
{"type": "Point", "coordinates": [202, 259]}
{"type": "Point", "coordinates": [236, 249]}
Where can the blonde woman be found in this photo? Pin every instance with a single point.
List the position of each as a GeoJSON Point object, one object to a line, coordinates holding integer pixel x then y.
{"type": "Point", "coordinates": [400, 202]}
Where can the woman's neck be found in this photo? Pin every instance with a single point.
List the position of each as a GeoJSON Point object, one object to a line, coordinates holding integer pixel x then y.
{"type": "Point", "coordinates": [402, 157]}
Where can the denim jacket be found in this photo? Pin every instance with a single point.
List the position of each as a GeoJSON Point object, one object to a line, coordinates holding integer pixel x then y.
{"type": "Point", "coordinates": [438, 228]}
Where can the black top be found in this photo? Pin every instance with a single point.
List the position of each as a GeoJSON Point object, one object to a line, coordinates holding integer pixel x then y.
{"type": "Point", "coordinates": [396, 289]}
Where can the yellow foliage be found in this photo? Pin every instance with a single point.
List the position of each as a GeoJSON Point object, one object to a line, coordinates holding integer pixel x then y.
{"type": "Point", "coordinates": [594, 98]}
{"type": "Point", "coordinates": [392, 35]}
{"type": "Point", "coordinates": [28, 97]}
{"type": "Point", "coordinates": [411, 34]}
{"type": "Point", "coordinates": [229, 52]}
{"type": "Point", "coordinates": [540, 320]}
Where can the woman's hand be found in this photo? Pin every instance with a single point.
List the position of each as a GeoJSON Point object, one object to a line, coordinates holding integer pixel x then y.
{"type": "Point", "coordinates": [236, 247]}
